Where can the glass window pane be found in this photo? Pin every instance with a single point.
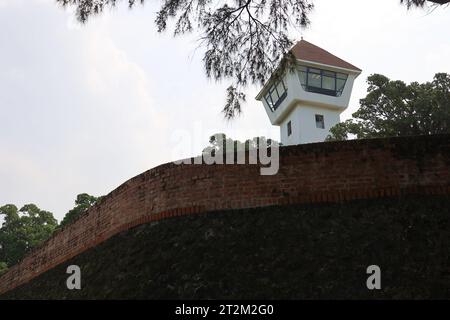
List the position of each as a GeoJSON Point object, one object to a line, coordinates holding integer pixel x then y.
{"type": "Point", "coordinates": [302, 68]}
{"type": "Point", "coordinates": [314, 80]}
{"type": "Point", "coordinates": [342, 76]}
{"type": "Point", "coordinates": [274, 97]}
{"type": "Point", "coordinates": [312, 70]}
{"type": "Point", "coordinates": [274, 94]}
{"type": "Point", "coordinates": [320, 122]}
{"type": "Point", "coordinates": [328, 83]}
{"type": "Point", "coordinates": [329, 74]}
{"type": "Point", "coordinates": [340, 84]}
{"type": "Point", "coordinates": [280, 88]}
{"type": "Point", "coordinates": [302, 76]}
{"type": "Point", "coordinates": [269, 100]}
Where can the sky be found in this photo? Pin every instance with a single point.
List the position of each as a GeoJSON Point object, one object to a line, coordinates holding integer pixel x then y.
{"type": "Point", "coordinates": [83, 108]}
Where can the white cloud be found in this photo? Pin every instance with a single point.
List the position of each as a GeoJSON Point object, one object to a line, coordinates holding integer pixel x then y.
{"type": "Point", "coordinates": [81, 115]}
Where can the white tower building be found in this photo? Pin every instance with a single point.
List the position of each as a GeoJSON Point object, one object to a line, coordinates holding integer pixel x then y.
{"type": "Point", "coordinates": [306, 103]}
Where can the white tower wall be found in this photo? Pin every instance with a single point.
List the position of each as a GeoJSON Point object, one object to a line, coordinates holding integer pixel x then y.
{"type": "Point", "coordinates": [300, 108]}
{"type": "Point", "coordinates": [303, 124]}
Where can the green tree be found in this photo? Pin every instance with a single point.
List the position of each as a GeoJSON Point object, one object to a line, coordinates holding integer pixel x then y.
{"type": "Point", "coordinates": [219, 143]}
{"type": "Point", "coordinates": [23, 230]}
{"type": "Point", "coordinates": [83, 202]}
{"type": "Point", "coordinates": [244, 40]}
{"type": "Point", "coordinates": [3, 268]}
{"type": "Point", "coordinates": [393, 108]}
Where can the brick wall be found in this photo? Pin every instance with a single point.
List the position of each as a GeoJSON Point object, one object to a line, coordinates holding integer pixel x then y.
{"type": "Point", "coordinates": [322, 172]}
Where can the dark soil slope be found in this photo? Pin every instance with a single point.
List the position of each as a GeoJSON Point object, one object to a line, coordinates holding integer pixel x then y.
{"type": "Point", "coordinates": [314, 251]}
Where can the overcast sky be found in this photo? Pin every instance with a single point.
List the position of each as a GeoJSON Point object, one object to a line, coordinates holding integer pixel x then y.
{"type": "Point", "coordinates": [84, 108]}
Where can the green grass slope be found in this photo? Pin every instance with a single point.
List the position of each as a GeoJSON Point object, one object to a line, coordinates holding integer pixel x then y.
{"type": "Point", "coordinates": [289, 252]}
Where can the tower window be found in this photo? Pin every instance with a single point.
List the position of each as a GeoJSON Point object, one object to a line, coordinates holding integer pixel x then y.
{"type": "Point", "coordinates": [289, 128]}
{"type": "Point", "coordinates": [322, 81]}
{"type": "Point", "coordinates": [320, 122]}
{"type": "Point", "coordinates": [276, 94]}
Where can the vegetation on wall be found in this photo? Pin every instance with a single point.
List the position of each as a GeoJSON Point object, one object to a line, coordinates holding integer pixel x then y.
{"type": "Point", "coordinates": [3, 267]}
{"type": "Point", "coordinates": [289, 252]}
{"type": "Point", "coordinates": [394, 108]}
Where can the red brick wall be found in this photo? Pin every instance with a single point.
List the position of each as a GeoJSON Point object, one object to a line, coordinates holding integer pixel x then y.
{"type": "Point", "coordinates": [324, 172]}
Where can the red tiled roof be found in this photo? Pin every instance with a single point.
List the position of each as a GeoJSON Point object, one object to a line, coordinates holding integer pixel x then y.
{"type": "Point", "coordinates": [304, 50]}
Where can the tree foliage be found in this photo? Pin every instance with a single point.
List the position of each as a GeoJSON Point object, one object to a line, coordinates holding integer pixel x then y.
{"type": "Point", "coordinates": [220, 144]}
{"type": "Point", "coordinates": [23, 230]}
{"type": "Point", "coordinates": [244, 40]}
{"type": "Point", "coordinates": [421, 3]}
{"type": "Point", "coordinates": [393, 108]}
{"type": "Point", "coordinates": [3, 267]}
{"type": "Point", "coordinates": [30, 226]}
{"type": "Point", "coordinates": [83, 202]}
